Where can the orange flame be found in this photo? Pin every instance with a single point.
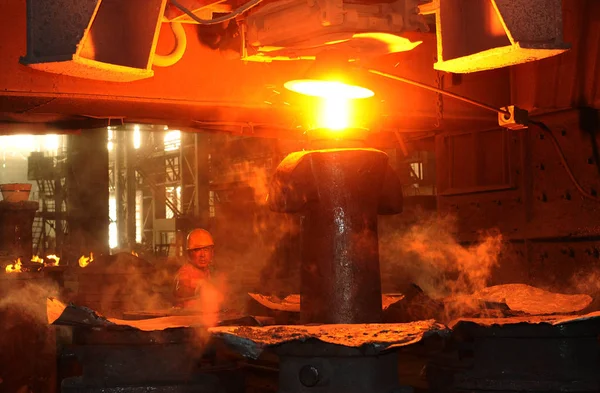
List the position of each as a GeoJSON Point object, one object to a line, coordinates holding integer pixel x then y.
{"type": "Point", "coordinates": [54, 258]}
{"type": "Point", "coordinates": [15, 267]}
{"type": "Point", "coordinates": [37, 259]}
{"type": "Point", "coordinates": [134, 253]}
{"type": "Point", "coordinates": [84, 261]}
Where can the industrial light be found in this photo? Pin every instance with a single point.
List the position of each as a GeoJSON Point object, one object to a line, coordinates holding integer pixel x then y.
{"type": "Point", "coordinates": [328, 89]}
{"type": "Point", "coordinates": [332, 80]}
{"type": "Point", "coordinates": [334, 111]}
{"type": "Point", "coordinates": [330, 76]}
{"type": "Point", "coordinates": [137, 137]}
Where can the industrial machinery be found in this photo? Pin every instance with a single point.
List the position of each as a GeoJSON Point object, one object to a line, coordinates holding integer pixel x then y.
{"type": "Point", "coordinates": [116, 41]}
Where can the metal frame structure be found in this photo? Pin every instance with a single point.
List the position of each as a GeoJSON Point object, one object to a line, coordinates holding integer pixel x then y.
{"type": "Point", "coordinates": [152, 168]}
{"type": "Point", "coordinates": [50, 225]}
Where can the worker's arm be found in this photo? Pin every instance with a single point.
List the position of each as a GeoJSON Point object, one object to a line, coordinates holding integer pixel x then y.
{"type": "Point", "coordinates": [182, 289]}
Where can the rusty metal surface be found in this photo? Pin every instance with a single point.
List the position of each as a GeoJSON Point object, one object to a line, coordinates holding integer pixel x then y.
{"type": "Point", "coordinates": [59, 313]}
{"type": "Point", "coordinates": [537, 190]}
{"type": "Point", "coordinates": [251, 341]}
{"type": "Point", "coordinates": [119, 336]}
{"type": "Point", "coordinates": [56, 28]}
{"type": "Point", "coordinates": [565, 265]}
{"type": "Point", "coordinates": [529, 300]}
{"type": "Point", "coordinates": [544, 86]}
{"type": "Point", "coordinates": [529, 354]}
{"type": "Point", "coordinates": [481, 173]}
{"type": "Point", "coordinates": [591, 319]}
{"type": "Point", "coordinates": [553, 232]}
{"type": "Point", "coordinates": [339, 192]}
{"type": "Point", "coordinates": [558, 209]}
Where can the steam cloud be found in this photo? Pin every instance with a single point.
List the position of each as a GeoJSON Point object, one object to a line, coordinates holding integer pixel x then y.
{"type": "Point", "coordinates": [586, 281]}
{"type": "Point", "coordinates": [255, 247]}
{"type": "Point", "coordinates": [123, 282]}
{"type": "Point", "coordinates": [264, 256]}
{"type": "Point", "coordinates": [26, 339]}
{"type": "Point", "coordinates": [28, 300]}
{"type": "Point", "coordinates": [211, 300]}
{"type": "Point", "coordinates": [428, 254]}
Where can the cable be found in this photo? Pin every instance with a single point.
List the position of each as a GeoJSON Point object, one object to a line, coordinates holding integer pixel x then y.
{"type": "Point", "coordinates": [440, 91]}
{"type": "Point", "coordinates": [563, 160]}
{"type": "Point", "coordinates": [539, 124]}
{"type": "Point", "coordinates": [220, 19]}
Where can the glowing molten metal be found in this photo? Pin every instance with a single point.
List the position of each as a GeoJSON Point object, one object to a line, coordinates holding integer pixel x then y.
{"type": "Point", "coordinates": [334, 114]}
{"type": "Point", "coordinates": [334, 111]}
{"type": "Point", "coordinates": [84, 261]}
{"type": "Point", "coordinates": [36, 259]}
{"type": "Point", "coordinates": [328, 89]}
{"type": "Point", "coordinates": [15, 267]}
{"type": "Point", "coordinates": [134, 253]}
{"type": "Point", "coordinates": [54, 258]}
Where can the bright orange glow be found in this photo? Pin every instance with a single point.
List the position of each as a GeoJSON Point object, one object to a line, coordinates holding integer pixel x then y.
{"type": "Point", "coordinates": [134, 253]}
{"type": "Point", "coordinates": [36, 259]}
{"type": "Point", "coordinates": [334, 114]}
{"type": "Point", "coordinates": [84, 261]}
{"type": "Point", "coordinates": [394, 43]}
{"type": "Point", "coordinates": [335, 100]}
{"type": "Point", "coordinates": [15, 267]}
{"type": "Point", "coordinates": [328, 89]}
{"type": "Point", "coordinates": [54, 258]}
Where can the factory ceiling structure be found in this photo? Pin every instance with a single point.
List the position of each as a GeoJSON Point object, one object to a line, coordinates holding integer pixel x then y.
{"type": "Point", "coordinates": [224, 65]}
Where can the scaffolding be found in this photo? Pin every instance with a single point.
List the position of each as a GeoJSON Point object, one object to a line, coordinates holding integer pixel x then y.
{"type": "Point", "coordinates": [154, 176]}
{"type": "Point", "coordinates": [50, 224]}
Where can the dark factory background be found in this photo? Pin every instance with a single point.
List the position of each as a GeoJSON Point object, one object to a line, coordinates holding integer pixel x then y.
{"type": "Point", "coordinates": [112, 200]}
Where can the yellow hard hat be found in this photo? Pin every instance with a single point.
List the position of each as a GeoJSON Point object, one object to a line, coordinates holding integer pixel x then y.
{"type": "Point", "coordinates": [199, 238]}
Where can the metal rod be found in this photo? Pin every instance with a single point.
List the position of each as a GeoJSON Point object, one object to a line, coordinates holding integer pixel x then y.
{"type": "Point", "coordinates": [440, 91]}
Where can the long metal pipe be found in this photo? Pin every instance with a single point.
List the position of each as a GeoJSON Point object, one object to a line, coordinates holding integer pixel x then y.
{"type": "Point", "coordinates": [440, 91]}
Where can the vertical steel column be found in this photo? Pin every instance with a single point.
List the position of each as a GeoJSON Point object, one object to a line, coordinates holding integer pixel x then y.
{"type": "Point", "coordinates": [120, 187]}
{"type": "Point", "coordinates": [88, 192]}
{"type": "Point", "coordinates": [339, 192]}
{"type": "Point", "coordinates": [202, 179]}
{"type": "Point", "coordinates": [130, 187]}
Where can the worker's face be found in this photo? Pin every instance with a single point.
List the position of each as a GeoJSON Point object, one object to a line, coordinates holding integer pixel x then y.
{"type": "Point", "coordinates": [201, 257]}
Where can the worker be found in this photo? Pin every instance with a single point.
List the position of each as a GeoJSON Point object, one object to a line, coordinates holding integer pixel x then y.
{"type": "Point", "coordinates": [196, 271]}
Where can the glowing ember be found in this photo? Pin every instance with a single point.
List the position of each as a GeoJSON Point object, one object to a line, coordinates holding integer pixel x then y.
{"type": "Point", "coordinates": [134, 253]}
{"type": "Point", "coordinates": [84, 261]}
{"type": "Point", "coordinates": [54, 258]}
{"type": "Point", "coordinates": [37, 259]}
{"type": "Point", "coordinates": [15, 267]}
